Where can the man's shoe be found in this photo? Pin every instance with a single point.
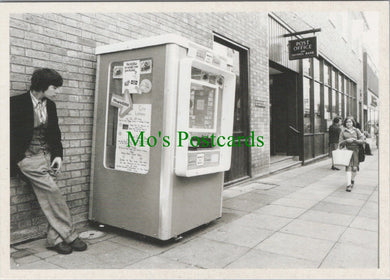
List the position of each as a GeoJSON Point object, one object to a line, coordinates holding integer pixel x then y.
{"type": "Point", "coordinates": [62, 248]}
{"type": "Point", "coordinates": [349, 188]}
{"type": "Point", "coordinates": [78, 245]}
{"type": "Point", "coordinates": [334, 168]}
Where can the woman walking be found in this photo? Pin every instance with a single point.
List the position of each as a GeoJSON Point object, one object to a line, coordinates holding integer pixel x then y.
{"type": "Point", "coordinates": [351, 138]}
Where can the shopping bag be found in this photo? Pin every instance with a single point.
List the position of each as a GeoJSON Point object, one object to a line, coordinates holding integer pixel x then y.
{"type": "Point", "coordinates": [342, 157]}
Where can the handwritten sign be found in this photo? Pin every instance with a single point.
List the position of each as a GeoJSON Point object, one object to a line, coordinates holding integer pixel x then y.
{"type": "Point", "coordinates": [131, 76]}
{"type": "Point", "coordinates": [134, 158]}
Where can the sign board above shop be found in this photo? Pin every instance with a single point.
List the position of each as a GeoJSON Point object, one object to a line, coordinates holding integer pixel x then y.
{"type": "Point", "coordinates": [302, 48]}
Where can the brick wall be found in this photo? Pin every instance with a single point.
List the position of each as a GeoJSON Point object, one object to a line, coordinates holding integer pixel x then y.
{"type": "Point", "coordinates": [66, 42]}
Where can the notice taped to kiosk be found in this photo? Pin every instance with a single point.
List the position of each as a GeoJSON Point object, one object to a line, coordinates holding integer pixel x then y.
{"type": "Point", "coordinates": [134, 158]}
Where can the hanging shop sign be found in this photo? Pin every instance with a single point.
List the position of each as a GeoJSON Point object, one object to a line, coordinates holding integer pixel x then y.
{"type": "Point", "coordinates": [302, 48]}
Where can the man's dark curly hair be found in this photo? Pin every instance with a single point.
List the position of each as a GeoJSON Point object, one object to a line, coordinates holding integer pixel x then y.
{"type": "Point", "coordinates": [43, 78]}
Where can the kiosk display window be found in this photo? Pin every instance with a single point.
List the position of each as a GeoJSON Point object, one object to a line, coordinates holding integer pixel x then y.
{"type": "Point", "coordinates": [203, 104]}
{"type": "Point", "coordinates": [126, 78]}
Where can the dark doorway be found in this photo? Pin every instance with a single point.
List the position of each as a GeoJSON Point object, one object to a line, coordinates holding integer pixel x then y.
{"type": "Point", "coordinates": [239, 169]}
{"type": "Point", "coordinates": [284, 125]}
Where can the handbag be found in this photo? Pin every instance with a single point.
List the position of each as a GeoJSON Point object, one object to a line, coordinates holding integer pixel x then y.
{"type": "Point", "coordinates": [362, 156]}
{"type": "Point", "coordinates": [367, 150]}
{"type": "Point", "coordinates": [341, 157]}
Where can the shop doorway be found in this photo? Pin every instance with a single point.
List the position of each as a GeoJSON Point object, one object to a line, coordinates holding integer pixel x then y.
{"type": "Point", "coordinates": [284, 123]}
{"type": "Point", "coordinates": [239, 169]}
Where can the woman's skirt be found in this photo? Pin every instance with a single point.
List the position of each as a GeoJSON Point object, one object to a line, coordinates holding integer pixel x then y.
{"type": "Point", "coordinates": [355, 156]}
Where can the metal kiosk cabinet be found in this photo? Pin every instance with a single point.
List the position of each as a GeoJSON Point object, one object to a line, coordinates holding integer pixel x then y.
{"type": "Point", "coordinates": [159, 102]}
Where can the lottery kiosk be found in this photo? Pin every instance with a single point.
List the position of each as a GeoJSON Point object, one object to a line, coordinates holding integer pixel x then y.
{"type": "Point", "coordinates": [160, 104]}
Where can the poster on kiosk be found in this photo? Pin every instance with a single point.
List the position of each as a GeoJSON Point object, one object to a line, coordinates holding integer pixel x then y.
{"type": "Point", "coordinates": [161, 105]}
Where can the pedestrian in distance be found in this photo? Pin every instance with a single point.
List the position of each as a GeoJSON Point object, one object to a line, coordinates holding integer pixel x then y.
{"type": "Point", "coordinates": [36, 153]}
{"type": "Point", "coordinates": [376, 132]}
{"type": "Point", "coordinates": [351, 138]}
{"type": "Point", "coordinates": [334, 133]}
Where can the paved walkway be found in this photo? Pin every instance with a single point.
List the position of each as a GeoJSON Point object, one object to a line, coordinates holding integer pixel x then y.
{"type": "Point", "coordinates": [301, 218]}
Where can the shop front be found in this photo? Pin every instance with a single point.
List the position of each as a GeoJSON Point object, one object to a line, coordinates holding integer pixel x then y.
{"type": "Point", "coordinates": [305, 95]}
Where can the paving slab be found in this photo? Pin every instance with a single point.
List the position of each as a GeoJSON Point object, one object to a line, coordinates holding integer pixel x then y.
{"type": "Point", "coordinates": [351, 195]}
{"type": "Point", "coordinates": [299, 203]}
{"type": "Point", "coordinates": [261, 221]}
{"type": "Point", "coordinates": [149, 247]}
{"type": "Point", "coordinates": [245, 236]}
{"type": "Point", "coordinates": [121, 258]}
{"type": "Point", "coordinates": [362, 190]}
{"type": "Point", "coordinates": [242, 204]}
{"type": "Point", "coordinates": [276, 193]}
{"type": "Point", "coordinates": [40, 243]}
{"type": "Point", "coordinates": [22, 253]}
{"type": "Point", "coordinates": [314, 230]}
{"type": "Point", "coordinates": [363, 238]}
{"type": "Point", "coordinates": [39, 265]}
{"type": "Point", "coordinates": [369, 210]}
{"type": "Point", "coordinates": [230, 215]}
{"type": "Point", "coordinates": [307, 195]}
{"type": "Point", "coordinates": [345, 201]}
{"type": "Point", "coordinates": [345, 255]}
{"type": "Point", "coordinates": [102, 247]}
{"type": "Point", "coordinates": [76, 260]}
{"type": "Point", "coordinates": [230, 193]}
{"type": "Point", "coordinates": [327, 218]}
{"type": "Point", "coordinates": [280, 211]}
{"type": "Point", "coordinates": [261, 259]}
{"type": "Point", "coordinates": [205, 253]}
{"type": "Point", "coordinates": [261, 198]}
{"type": "Point", "coordinates": [157, 262]}
{"type": "Point", "coordinates": [13, 264]}
{"type": "Point", "coordinates": [365, 224]}
{"type": "Point", "coordinates": [296, 246]}
{"type": "Point", "coordinates": [27, 259]}
{"type": "Point", "coordinates": [45, 254]}
{"type": "Point", "coordinates": [336, 208]}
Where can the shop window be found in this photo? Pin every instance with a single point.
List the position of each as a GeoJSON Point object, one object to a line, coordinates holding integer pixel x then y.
{"type": "Point", "coordinates": [306, 106]}
{"type": "Point", "coordinates": [352, 90]}
{"type": "Point", "coordinates": [334, 104]}
{"type": "Point", "coordinates": [316, 69]}
{"type": "Point", "coordinates": [327, 101]}
{"type": "Point", "coordinates": [327, 74]}
{"type": "Point", "coordinates": [307, 70]}
{"type": "Point", "coordinates": [340, 83]}
{"type": "Point", "coordinates": [334, 79]}
{"type": "Point", "coordinates": [346, 108]}
{"type": "Point", "coordinates": [350, 106]}
{"type": "Point", "coordinates": [340, 106]}
{"type": "Point", "coordinates": [317, 107]}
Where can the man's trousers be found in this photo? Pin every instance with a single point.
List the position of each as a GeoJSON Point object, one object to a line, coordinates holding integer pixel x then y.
{"type": "Point", "coordinates": [37, 169]}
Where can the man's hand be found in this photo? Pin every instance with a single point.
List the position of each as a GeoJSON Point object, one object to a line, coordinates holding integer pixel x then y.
{"type": "Point", "coordinates": [56, 164]}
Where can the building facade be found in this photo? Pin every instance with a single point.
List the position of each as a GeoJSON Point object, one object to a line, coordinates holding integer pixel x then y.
{"type": "Point", "coordinates": [288, 102]}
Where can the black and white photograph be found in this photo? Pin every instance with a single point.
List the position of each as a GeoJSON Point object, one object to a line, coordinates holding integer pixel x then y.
{"type": "Point", "coordinates": [195, 140]}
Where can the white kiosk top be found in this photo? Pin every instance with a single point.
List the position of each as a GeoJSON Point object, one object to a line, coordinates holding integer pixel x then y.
{"type": "Point", "coordinates": [147, 42]}
{"type": "Point", "coordinates": [194, 50]}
